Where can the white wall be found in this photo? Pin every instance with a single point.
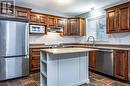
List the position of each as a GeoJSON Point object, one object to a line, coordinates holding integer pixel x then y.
{"type": "Point", "coordinates": [114, 38]}
{"type": "Point", "coordinates": [117, 38]}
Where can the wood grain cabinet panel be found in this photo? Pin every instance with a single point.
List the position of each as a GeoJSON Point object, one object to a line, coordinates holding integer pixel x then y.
{"type": "Point", "coordinates": [76, 27]}
{"type": "Point", "coordinates": [38, 18]}
{"type": "Point", "coordinates": [22, 12]}
{"type": "Point", "coordinates": [51, 22]}
{"type": "Point", "coordinates": [124, 18]}
{"type": "Point", "coordinates": [121, 64]}
{"type": "Point", "coordinates": [112, 20]}
{"type": "Point", "coordinates": [92, 60]}
{"type": "Point", "coordinates": [34, 59]}
{"type": "Point", "coordinates": [118, 18]}
{"type": "Point", "coordinates": [62, 23]}
{"type": "Point", "coordinates": [33, 18]}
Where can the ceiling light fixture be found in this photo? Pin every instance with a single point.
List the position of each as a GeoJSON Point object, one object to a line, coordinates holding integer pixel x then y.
{"type": "Point", "coordinates": [64, 1]}
{"type": "Point", "coordinates": [61, 1]}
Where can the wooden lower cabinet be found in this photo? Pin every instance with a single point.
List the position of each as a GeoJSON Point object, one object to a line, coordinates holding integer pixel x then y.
{"type": "Point", "coordinates": [34, 60]}
{"type": "Point", "coordinates": [121, 64]}
{"type": "Point", "coordinates": [92, 60]}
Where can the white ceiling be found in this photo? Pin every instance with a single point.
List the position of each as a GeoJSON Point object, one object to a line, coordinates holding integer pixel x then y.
{"type": "Point", "coordinates": [70, 8]}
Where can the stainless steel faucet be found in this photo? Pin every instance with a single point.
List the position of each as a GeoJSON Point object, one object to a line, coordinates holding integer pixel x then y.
{"type": "Point", "coordinates": [92, 40]}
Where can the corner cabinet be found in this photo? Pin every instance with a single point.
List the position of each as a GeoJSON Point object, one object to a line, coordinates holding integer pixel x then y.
{"type": "Point", "coordinates": [76, 27]}
{"type": "Point", "coordinates": [121, 64]}
{"type": "Point", "coordinates": [118, 18]}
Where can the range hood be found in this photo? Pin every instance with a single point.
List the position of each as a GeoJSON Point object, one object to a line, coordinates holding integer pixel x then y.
{"type": "Point", "coordinates": [55, 30]}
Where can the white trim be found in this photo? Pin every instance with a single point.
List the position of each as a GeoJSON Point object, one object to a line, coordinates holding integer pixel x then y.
{"type": "Point", "coordinates": [80, 83]}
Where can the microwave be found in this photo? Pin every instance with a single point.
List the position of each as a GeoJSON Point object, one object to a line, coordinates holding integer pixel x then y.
{"type": "Point", "coordinates": [37, 29]}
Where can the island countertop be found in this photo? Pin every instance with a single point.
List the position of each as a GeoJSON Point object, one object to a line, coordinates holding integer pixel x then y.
{"type": "Point", "coordinates": [67, 50]}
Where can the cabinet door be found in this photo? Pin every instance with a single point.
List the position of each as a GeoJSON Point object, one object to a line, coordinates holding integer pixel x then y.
{"type": "Point", "coordinates": [74, 27]}
{"type": "Point", "coordinates": [112, 20]}
{"type": "Point", "coordinates": [121, 64]}
{"type": "Point", "coordinates": [124, 18]}
{"type": "Point", "coordinates": [23, 12]}
{"type": "Point", "coordinates": [36, 18]}
{"type": "Point", "coordinates": [60, 22]}
{"type": "Point", "coordinates": [92, 60]}
{"type": "Point", "coordinates": [82, 27]}
{"type": "Point", "coordinates": [33, 18]}
{"type": "Point", "coordinates": [51, 22]}
{"type": "Point", "coordinates": [34, 60]}
{"type": "Point", "coordinates": [43, 19]}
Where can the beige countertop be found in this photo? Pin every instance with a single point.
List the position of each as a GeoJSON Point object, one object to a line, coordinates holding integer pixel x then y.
{"type": "Point", "coordinates": [67, 50]}
{"type": "Point", "coordinates": [114, 48]}
{"type": "Point", "coordinates": [41, 46]}
{"type": "Point", "coordinates": [85, 46]}
{"type": "Point", "coordinates": [101, 47]}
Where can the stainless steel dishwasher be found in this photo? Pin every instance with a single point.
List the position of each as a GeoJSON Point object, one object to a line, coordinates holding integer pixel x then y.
{"type": "Point", "coordinates": [104, 61]}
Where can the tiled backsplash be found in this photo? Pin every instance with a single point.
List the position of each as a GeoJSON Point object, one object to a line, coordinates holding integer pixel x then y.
{"type": "Point", "coordinates": [116, 38]}
{"type": "Point", "coordinates": [51, 38]}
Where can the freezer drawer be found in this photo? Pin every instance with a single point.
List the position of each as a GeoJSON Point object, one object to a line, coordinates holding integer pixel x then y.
{"type": "Point", "coordinates": [13, 67]}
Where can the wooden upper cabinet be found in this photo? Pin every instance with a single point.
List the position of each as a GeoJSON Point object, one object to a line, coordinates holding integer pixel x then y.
{"type": "Point", "coordinates": [37, 18]}
{"type": "Point", "coordinates": [22, 12]}
{"type": "Point", "coordinates": [118, 18]}
{"type": "Point", "coordinates": [121, 64]}
{"type": "Point", "coordinates": [60, 22]}
{"type": "Point", "coordinates": [51, 22]}
{"type": "Point", "coordinates": [76, 27]}
{"type": "Point", "coordinates": [124, 18]}
{"type": "Point", "coordinates": [112, 20]}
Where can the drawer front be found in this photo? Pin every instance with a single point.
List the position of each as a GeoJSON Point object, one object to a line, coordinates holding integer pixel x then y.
{"type": "Point", "coordinates": [35, 57]}
{"type": "Point", "coordinates": [35, 52]}
{"type": "Point", "coordinates": [35, 64]}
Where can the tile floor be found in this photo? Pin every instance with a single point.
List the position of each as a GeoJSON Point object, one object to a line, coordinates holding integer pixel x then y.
{"type": "Point", "coordinates": [34, 80]}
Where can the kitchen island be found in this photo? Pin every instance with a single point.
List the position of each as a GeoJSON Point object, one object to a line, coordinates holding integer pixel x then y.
{"type": "Point", "coordinates": [64, 66]}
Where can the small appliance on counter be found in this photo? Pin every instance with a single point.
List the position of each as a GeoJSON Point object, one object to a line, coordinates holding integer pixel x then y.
{"type": "Point", "coordinates": [39, 29]}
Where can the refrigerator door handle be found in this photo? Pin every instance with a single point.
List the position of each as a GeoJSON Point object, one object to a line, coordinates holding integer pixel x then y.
{"type": "Point", "coordinates": [26, 39]}
{"type": "Point", "coordinates": [15, 56]}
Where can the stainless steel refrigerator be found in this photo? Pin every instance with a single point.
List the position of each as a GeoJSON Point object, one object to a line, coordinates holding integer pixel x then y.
{"type": "Point", "coordinates": [14, 59]}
